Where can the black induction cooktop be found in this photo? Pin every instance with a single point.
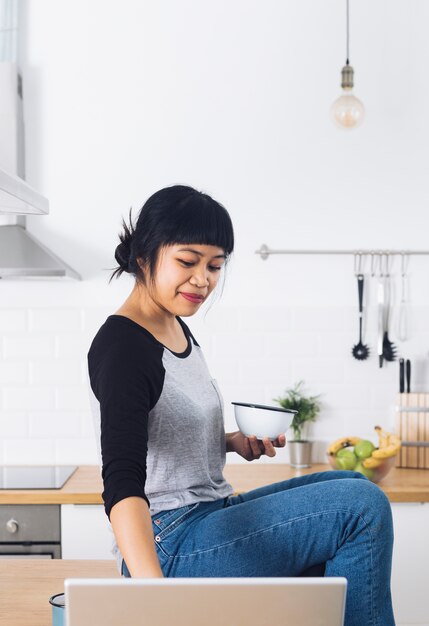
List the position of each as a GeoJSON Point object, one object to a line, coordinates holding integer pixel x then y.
{"type": "Point", "coordinates": [35, 476]}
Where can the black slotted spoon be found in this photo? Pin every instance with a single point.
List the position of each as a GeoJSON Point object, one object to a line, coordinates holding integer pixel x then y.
{"type": "Point", "coordinates": [360, 351]}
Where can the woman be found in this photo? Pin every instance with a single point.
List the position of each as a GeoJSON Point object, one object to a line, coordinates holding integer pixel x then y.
{"type": "Point", "coordinates": [163, 443]}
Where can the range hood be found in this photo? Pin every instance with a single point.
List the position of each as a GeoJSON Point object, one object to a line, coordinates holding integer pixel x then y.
{"type": "Point", "coordinates": [23, 256]}
{"type": "Point", "coordinates": [16, 196]}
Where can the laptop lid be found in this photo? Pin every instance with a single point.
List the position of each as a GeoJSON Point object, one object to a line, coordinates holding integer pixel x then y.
{"type": "Point", "coordinates": [205, 602]}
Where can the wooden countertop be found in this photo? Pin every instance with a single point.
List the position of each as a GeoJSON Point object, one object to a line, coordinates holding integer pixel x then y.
{"type": "Point", "coordinates": [85, 486]}
{"type": "Point", "coordinates": [27, 584]}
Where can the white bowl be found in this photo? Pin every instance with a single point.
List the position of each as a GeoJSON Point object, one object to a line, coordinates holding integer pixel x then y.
{"type": "Point", "coordinates": [262, 421]}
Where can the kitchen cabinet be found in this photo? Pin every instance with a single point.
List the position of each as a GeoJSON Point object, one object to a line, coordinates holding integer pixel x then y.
{"type": "Point", "coordinates": [85, 532]}
{"type": "Point", "coordinates": [410, 563]}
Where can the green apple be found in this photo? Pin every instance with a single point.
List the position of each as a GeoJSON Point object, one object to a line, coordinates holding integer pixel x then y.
{"type": "Point", "coordinates": [369, 473]}
{"type": "Point", "coordinates": [344, 451]}
{"type": "Point", "coordinates": [346, 459]}
{"type": "Point", "coordinates": [364, 449]}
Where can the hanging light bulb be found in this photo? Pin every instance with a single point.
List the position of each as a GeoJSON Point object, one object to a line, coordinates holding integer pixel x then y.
{"type": "Point", "coordinates": [347, 111]}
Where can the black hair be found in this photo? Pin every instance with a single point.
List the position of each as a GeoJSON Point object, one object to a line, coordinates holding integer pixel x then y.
{"type": "Point", "coordinates": [173, 215]}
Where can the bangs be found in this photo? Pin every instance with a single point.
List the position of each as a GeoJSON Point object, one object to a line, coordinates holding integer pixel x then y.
{"type": "Point", "coordinates": [199, 219]}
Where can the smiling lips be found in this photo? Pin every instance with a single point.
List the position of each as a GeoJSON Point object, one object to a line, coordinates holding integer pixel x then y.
{"type": "Point", "coordinates": [193, 297]}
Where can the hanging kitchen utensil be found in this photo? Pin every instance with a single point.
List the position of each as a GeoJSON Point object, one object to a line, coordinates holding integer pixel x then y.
{"type": "Point", "coordinates": [360, 351]}
{"type": "Point", "coordinates": [401, 376]}
{"type": "Point", "coordinates": [408, 373]}
{"type": "Point", "coordinates": [389, 349]}
{"type": "Point", "coordinates": [380, 303]}
{"type": "Point", "coordinates": [402, 327]}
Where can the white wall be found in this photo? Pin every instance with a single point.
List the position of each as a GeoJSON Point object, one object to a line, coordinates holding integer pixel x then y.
{"type": "Point", "coordinates": [233, 98]}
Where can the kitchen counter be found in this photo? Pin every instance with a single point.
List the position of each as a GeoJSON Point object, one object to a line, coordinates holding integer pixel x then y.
{"type": "Point", "coordinates": [27, 584]}
{"type": "Point", "coordinates": [85, 486]}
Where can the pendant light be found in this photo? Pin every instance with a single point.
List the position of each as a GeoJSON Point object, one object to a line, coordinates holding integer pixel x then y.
{"type": "Point", "coordinates": [347, 111]}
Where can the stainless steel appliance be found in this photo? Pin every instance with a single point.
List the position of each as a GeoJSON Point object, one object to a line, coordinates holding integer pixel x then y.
{"type": "Point", "coordinates": [35, 476]}
{"type": "Point", "coordinates": [32, 530]}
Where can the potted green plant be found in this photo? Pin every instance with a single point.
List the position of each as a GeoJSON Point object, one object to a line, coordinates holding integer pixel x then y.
{"type": "Point", "coordinates": [308, 408]}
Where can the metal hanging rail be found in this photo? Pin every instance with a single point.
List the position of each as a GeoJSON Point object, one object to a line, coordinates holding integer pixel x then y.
{"type": "Point", "coordinates": [264, 251]}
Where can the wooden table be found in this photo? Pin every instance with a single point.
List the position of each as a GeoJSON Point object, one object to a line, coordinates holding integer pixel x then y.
{"type": "Point", "coordinates": [27, 584]}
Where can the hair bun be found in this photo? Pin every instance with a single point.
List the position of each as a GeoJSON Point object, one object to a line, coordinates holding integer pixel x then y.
{"type": "Point", "coordinates": [123, 253]}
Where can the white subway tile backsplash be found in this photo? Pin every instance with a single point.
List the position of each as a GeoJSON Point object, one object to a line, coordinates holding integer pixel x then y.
{"type": "Point", "coordinates": [328, 424]}
{"type": "Point", "coordinates": [56, 372]}
{"type": "Point", "coordinates": [265, 319]}
{"type": "Point", "coordinates": [357, 396]}
{"type": "Point", "coordinates": [418, 317]}
{"type": "Point", "coordinates": [254, 353]}
{"type": "Point", "coordinates": [313, 319]}
{"type": "Point", "coordinates": [362, 424]}
{"type": "Point", "coordinates": [26, 346]}
{"type": "Point", "coordinates": [383, 396]}
{"type": "Point", "coordinates": [14, 372]}
{"type": "Point", "coordinates": [239, 345]}
{"type": "Point", "coordinates": [332, 344]}
{"type": "Point", "coordinates": [76, 450]}
{"type": "Point", "coordinates": [87, 424]}
{"type": "Point", "coordinates": [13, 320]}
{"type": "Point", "coordinates": [256, 370]}
{"type": "Point", "coordinates": [318, 370]}
{"type": "Point", "coordinates": [13, 424]}
{"type": "Point", "coordinates": [215, 320]}
{"type": "Point", "coordinates": [93, 318]}
{"type": "Point", "coordinates": [28, 398]}
{"type": "Point", "coordinates": [73, 345]}
{"type": "Point", "coordinates": [20, 451]}
{"type": "Point", "coordinates": [288, 345]}
{"type": "Point", "coordinates": [73, 398]}
{"type": "Point", "coordinates": [55, 320]}
{"type": "Point", "coordinates": [55, 424]}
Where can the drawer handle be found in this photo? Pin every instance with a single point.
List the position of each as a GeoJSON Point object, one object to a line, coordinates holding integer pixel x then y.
{"type": "Point", "coordinates": [12, 526]}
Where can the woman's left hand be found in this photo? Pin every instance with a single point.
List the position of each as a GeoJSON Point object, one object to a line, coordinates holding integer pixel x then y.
{"type": "Point", "coordinates": [251, 448]}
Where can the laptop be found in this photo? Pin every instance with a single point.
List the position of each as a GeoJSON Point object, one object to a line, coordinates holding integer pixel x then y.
{"type": "Point", "coordinates": [205, 602]}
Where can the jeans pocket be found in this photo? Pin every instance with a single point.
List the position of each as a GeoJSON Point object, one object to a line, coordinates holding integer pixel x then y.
{"type": "Point", "coordinates": [165, 524]}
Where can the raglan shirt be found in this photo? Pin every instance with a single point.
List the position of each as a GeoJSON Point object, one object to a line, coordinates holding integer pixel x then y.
{"type": "Point", "coordinates": [158, 417]}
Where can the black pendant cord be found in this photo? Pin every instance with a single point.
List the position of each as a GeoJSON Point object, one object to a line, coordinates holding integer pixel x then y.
{"type": "Point", "coordinates": [348, 32]}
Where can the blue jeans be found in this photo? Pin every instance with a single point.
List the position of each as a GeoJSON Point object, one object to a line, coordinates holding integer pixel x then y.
{"type": "Point", "coordinates": [330, 523]}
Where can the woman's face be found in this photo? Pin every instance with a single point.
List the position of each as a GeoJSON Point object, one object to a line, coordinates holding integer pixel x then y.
{"type": "Point", "coordinates": [185, 275]}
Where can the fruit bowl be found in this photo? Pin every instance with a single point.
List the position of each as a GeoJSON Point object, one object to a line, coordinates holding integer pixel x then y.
{"type": "Point", "coordinates": [361, 455]}
{"type": "Point", "coordinates": [376, 474]}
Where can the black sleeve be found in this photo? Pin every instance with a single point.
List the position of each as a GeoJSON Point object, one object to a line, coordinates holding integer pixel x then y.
{"type": "Point", "coordinates": [126, 377]}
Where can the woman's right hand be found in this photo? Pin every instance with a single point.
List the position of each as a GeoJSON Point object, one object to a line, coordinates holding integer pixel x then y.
{"type": "Point", "coordinates": [251, 448]}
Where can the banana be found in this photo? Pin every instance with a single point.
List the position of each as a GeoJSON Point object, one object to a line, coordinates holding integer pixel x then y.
{"type": "Point", "coordinates": [383, 437]}
{"type": "Point", "coordinates": [372, 462]}
{"type": "Point", "coordinates": [394, 439]}
{"type": "Point", "coordinates": [344, 442]}
{"type": "Point", "coordinates": [386, 452]}
{"type": "Point", "coordinates": [390, 444]}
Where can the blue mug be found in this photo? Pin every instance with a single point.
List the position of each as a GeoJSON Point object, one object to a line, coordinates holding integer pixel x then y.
{"type": "Point", "coordinates": [58, 612]}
